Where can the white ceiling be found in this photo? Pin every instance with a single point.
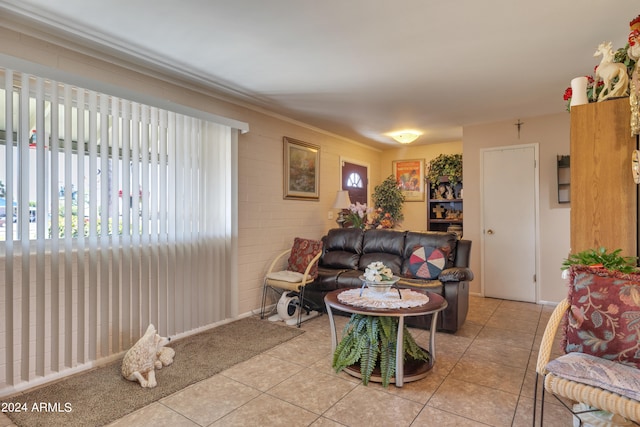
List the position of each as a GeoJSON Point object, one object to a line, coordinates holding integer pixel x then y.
{"type": "Point", "coordinates": [357, 68]}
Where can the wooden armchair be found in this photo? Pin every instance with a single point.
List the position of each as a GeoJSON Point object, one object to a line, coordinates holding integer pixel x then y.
{"type": "Point", "coordinates": [601, 338]}
{"type": "Point", "coordinates": [301, 270]}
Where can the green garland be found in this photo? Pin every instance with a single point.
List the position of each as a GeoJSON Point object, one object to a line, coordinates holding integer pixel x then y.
{"type": "Point", "coordinates": [369, 339]}
{"type": "Point", "coordinates": [599, 257]}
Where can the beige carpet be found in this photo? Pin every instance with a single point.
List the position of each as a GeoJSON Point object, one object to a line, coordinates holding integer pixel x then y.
{"type": "Point", "coordinates": [101, 396]}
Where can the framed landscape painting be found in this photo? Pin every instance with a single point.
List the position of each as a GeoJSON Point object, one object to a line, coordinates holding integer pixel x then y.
{"type": "Point", "coordinates": [410, 177]}
{"type": "Point", "coordinates": [301, 170]}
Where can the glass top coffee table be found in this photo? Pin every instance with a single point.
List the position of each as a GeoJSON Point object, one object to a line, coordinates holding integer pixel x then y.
{"type": "Point", "coordinates": [412, 372]}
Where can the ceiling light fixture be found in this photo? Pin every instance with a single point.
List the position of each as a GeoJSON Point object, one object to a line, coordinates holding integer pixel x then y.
{"type": "Point", "coordinates": [405, 136]}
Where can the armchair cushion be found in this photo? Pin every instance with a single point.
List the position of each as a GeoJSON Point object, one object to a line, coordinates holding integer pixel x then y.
{"type": "Point", "coordinates": [604, 318]}
{"type": "Point", "coordinates": [286, 276]}
{"type": "Point", "coordinates": [605, 374]}
{"type": "Point", "coordinates": [427, 262]}
{"type": "Point", "coordinates": [302, 252]}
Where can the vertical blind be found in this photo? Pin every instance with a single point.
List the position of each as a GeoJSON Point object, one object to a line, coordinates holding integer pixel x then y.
{"type": "Point", "coordinates": [117, 214]}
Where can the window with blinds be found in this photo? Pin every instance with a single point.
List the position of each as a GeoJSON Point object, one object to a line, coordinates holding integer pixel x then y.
{"type": "Point", "coordinates": [81, 163]}
{"type": "Point", "coordinates": [115, 214]}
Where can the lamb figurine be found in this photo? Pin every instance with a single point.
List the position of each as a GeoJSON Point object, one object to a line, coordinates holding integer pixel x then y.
{"type": "Point", "coordinates": [146, 355]}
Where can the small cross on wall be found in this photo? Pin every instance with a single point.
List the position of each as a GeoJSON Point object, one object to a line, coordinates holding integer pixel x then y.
{"type": "Point", "coordinates": [439, 211]}
{"type": "Point", "coordinates": [519, 125]}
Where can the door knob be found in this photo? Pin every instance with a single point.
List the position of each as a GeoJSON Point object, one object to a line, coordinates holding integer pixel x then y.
{"type": "Point", "coordinates": [489, 231]}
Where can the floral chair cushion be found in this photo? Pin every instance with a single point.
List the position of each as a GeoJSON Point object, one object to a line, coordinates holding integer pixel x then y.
{"type": "Point", "coordinates": [604, 319]}
{"type": "Point", "coordinates": [302, 253]}
{"type": "Point", "coordinates": [587, 369]}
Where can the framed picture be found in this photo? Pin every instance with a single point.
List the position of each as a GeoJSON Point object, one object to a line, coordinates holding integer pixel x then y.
{"type": "Point", "coordinates": [410, 177]}
{"type": "Point", "coordinates": [301, 170]}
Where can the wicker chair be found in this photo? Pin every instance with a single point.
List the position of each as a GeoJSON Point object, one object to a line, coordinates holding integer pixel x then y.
{"type": "Point", "coordinates": [287, 280]}
{"type": "Point", "coordinates": [562, 387]}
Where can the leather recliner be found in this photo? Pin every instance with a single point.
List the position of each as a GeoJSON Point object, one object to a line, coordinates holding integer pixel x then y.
{"type": "Point", "coordinates": [348, 251]}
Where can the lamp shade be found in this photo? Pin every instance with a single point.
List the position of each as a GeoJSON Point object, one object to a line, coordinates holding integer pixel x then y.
{"type": "Point", "coordinates": [342, 200]}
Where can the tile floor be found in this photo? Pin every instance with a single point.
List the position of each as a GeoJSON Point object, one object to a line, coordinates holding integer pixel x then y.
{"type": "Point", "coordinates": [484, 376]}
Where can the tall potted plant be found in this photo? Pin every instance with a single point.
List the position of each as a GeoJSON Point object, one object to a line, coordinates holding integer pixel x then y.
{"type": "Point", "coordinates": [387, 201]}
{"type": "Point", "coordinates": [449, 165]}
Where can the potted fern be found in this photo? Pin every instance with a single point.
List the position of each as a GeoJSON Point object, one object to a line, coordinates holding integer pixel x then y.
{"type": "Point", "coordinates": [371, 342]}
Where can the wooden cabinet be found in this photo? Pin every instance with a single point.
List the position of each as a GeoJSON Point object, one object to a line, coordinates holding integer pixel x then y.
{"type": "Point", "coordinates": [603, 195]}
{"type": "Point", "coordinates": [444, 205]}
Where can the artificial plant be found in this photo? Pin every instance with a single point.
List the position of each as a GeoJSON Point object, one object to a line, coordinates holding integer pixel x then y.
{"type": "Point", "coordinates": [388, 199]}
{"type": "Point", "coordinates": [622, 56]}
{"type": "Point", "coordinates": [449, 165]}
{"type": "Point", "coordinates": [371, 340]}
{"type": "Point", "coordinates": [600, 258]}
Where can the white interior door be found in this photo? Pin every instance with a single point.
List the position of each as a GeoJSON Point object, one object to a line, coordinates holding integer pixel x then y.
{"type": "Point", "coordinates": [509, 237]}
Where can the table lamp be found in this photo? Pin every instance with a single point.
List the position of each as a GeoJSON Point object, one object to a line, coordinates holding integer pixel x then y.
{"type": "Point", "coordinates": [342, 202]}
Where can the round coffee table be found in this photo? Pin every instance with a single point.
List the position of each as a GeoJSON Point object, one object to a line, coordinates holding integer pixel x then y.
{"type": "Point", "coordinates": [411, 372]}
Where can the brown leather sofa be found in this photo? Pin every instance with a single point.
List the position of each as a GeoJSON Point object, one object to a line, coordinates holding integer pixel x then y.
{"type": "Point", "coordinates": [348, 251]}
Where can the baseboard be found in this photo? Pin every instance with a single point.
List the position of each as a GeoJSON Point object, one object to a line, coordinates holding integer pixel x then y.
{"type": "Point", "coordinates": [549, 303]}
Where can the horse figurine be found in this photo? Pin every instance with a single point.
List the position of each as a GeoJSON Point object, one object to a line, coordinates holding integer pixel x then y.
{"type": "Point", "coordinates": [607, 71]}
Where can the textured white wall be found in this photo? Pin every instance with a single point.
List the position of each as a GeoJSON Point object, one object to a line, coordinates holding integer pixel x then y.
{"type": "Point", "coordinates": [268, 223]}
{"type": "Point", "coordinates": [551, 132]}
